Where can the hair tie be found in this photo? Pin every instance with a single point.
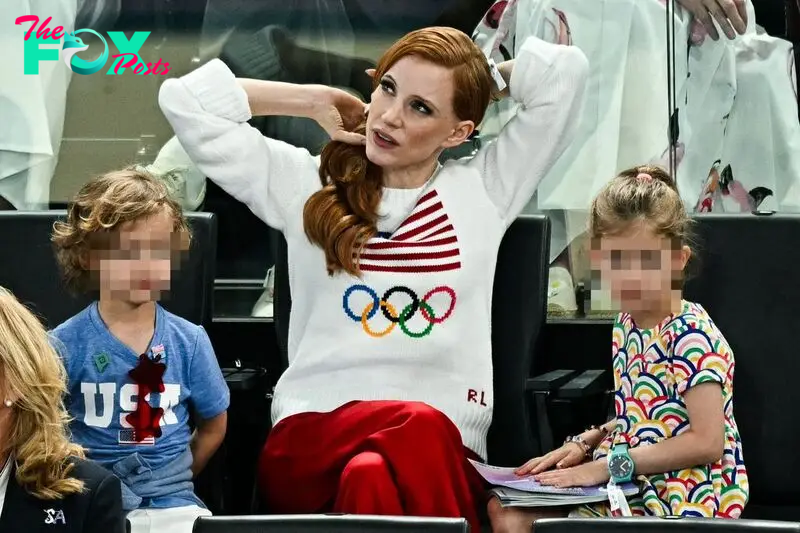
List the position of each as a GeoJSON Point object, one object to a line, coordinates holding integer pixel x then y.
{"type": "Point", "coordinates": [496, 76]}
{"type": "Point", "coordinates": [644, 177]}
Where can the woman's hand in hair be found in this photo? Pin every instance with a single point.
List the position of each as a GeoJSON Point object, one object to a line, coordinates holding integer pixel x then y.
{"type": "Point", "coordinates": [340, 114]}
{"type": "Point", "coordinates": [731, 15]}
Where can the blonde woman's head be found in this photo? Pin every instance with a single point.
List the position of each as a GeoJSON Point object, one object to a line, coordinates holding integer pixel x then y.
{"type": "Point", "coordinates": [33, 420]}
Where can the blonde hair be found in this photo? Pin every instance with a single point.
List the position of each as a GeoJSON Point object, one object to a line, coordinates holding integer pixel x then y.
{"type": "Point", "coordinates": [103, 205]}
{"type": "Point", "coordinates": [34, 378]}
{"type": "Point", "coordinates": [643, 194]}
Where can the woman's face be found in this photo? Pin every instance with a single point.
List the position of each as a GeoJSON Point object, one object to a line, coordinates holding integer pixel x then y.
{"type": "Point", "coordinates": [411, 118]}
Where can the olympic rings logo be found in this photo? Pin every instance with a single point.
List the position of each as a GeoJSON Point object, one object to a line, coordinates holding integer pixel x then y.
{"type": "Point", "coordinates": [389, 311]}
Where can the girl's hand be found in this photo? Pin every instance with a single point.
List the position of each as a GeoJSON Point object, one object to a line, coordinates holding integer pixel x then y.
{"type": "Point", "coordinates": [586, 475]}
{"type": "Point", "coordinates": [339, 113]}
{"type": "Point", "coordinates": [731, 15]}
{"type": "Point", "coordinates": [570, 454]}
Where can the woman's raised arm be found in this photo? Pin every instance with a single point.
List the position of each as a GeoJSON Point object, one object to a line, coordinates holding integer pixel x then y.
{"type": "Point", "coordinates": [549, 82]}
{"type": "Point", "coordinates": [209, 109]}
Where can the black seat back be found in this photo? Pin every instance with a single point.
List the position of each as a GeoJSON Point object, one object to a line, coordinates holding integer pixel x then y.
{"type": "Point", "coordinates": [748, 282]}
{"type": "Point", "coordinates": [29, 269]}
{"type": "Point", "coordinates": [518, 314]}
{"type": "Point", "coordinates": [519, 311]}
{"type": "Point", "coordinates": [328, 524]}
{"type": "Point", "coordinates": [282, 298]}
{"type": "Point", "coordinates": [662, 525]}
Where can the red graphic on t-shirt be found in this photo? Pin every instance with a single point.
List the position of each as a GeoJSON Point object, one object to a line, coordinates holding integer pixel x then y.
{"type": "Point", "coordinates": [149, 376]}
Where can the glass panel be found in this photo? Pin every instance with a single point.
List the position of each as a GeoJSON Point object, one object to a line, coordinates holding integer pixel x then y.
{"type": "Point", "coordinates": [735, 126]}
{"type": "Point", "coordinates": [625, 120]}
{"type": "Point", "coordinates": [734, 133]}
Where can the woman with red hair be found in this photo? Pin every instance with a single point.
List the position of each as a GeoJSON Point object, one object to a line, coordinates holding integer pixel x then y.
{"type": "Point", "coordinates": [391, 259]}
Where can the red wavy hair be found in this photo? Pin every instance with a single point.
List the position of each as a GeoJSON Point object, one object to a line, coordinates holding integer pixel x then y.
{"type": "Point", "coordinates": [342, 216]}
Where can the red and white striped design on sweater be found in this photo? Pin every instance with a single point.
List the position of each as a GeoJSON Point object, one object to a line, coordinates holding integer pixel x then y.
{"type": "Point", "coordinates": [425, 242]}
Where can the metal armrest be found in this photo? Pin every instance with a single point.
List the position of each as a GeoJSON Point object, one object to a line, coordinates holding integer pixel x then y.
{"type": "Point", "coordinates": [242, 379]}
{"type": "Point", "coordinates": [541, 387]}
{"type": "Point", "coordinates": [549, 382]}
{"type": "Point", "coordinates": [588, 383]}
{"type": "Point", "coordinates": [561, 385]}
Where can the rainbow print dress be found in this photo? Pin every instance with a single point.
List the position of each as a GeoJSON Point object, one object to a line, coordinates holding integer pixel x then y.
{"type": "Point", "coordinates": [653, 368]}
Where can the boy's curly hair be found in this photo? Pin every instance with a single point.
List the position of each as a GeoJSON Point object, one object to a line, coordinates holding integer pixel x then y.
{"type": "Point", "coordinates": [102, 205]}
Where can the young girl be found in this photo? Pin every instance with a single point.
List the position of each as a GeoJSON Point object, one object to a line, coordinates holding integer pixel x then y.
{"type": "Point", "coordinates": [674, 431]}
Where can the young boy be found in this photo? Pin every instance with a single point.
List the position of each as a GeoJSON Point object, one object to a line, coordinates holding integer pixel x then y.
{"type": "Point", "coordinates": [136, 372]}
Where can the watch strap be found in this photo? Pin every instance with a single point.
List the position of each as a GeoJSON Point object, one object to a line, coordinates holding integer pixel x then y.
{"type": "Point", "coordinates": [620, 449]}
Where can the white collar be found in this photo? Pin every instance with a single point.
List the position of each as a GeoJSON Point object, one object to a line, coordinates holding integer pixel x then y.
{"type": "Point", "coordinates": [6, 470]}
{"type": "Point", "coordinates": [5, 473]}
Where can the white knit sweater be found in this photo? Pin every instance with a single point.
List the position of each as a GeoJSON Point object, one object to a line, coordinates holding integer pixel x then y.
{"type": "Point", "coordinates": [417, 325]}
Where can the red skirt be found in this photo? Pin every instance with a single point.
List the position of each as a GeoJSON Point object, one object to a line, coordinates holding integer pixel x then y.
{"type": "Point", "coordinates": [371, 457]}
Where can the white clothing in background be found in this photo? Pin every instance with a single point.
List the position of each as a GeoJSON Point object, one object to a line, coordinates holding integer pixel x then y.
{"type": "Point", "coordinates": [184, 180]}
{"type": "Point", "coordinates": [625, 119]}
{"type": "Point", "coordinates": [739, 144]}
{"type": "Point", "coordinates": [172, 520]}
{"type": "Point", "coordinates": [31, 106]}
{"type": "Point", "coordinates": [710, 91]}
{"type": "Point", "coordinates": [754, 151]}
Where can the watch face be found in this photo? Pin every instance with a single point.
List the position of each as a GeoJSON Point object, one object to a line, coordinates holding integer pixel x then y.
{"type": "Point", "coordinates": [620, 466]}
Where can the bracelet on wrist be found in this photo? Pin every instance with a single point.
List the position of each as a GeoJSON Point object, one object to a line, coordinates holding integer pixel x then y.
{"type": "Point", "coordinates": [577, 439]}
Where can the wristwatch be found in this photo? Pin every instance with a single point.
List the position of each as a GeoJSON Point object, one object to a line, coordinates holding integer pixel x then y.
{"type": "Point", "coordinates": [620, 464]}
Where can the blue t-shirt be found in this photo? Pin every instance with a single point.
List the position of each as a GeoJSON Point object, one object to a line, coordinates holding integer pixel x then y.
{"type": "Point", "coordinates": [108, 418]}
